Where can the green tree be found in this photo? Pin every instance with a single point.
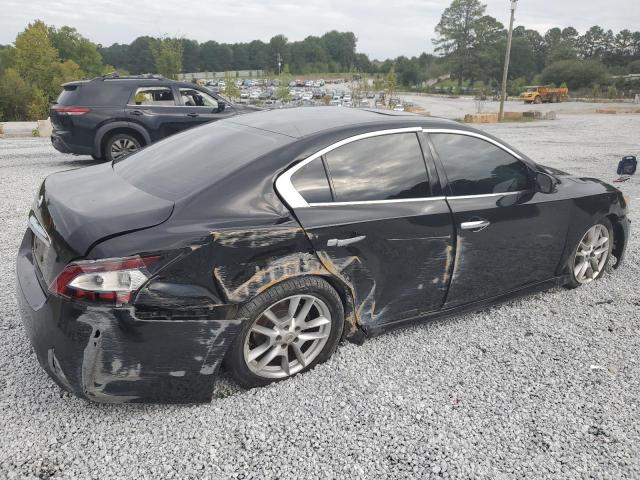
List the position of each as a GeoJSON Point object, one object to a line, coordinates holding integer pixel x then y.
{"type": "Point", "coordinates": [139, 56]}
{"type": "Point", "coordinates": [457, 34]}
{"type": "Point", "coordinates": [73, 46]}
{"type": "Point", "coordinates": [35, 56]}
{"type": "Point", "coordinates": [7, 57]}
{"type": "Point", "coordinates": [575, 73]}
{"type": "Point", "coordinates": [230, 88]}
{"type": "Point", "coordinates": [167, 55]}
{"type": "Point", "coordinates": [38, 107]}
{"type": "Point", "coordinates": [190, 55]}
{"type": "Point", "coordinates": [16, 96]}
{"type": "Point", "coordinates": [634, 67]}
{"type": "Point", "coordinates": [391, 84]}
{"type": "Point", "coordinates": [62, 73]}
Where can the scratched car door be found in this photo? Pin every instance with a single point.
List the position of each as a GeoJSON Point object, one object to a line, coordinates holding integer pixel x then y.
{"type": "Point", "coordinates": [369, 212]}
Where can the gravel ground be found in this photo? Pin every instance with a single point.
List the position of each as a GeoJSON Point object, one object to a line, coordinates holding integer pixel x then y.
{"type": "Point", "coordinates": [542, 387]}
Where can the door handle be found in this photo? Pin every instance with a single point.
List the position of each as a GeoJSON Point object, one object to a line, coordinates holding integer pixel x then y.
{"type": "Point", "coordinates": [136, 112]}
{"type": "Point", "coordinates": [193, 115]}
{"type": "Point", "coordinates": [475, 225]}
{"type": "Point", "coordinates": [343, 242]}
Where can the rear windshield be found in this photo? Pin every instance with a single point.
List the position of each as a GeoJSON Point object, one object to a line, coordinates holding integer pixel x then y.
{"type": "Point", "coordinates": [191, 160]}
{"type": "Point", "coordinates": [68, 95]}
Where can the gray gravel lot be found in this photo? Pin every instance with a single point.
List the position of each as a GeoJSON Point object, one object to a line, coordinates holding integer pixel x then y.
{"type": "Point", "coordinates": [547, 386]}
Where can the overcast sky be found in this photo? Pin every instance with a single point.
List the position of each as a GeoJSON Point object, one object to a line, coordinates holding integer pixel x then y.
{"type": "Point", "coordinates": [385, 28]}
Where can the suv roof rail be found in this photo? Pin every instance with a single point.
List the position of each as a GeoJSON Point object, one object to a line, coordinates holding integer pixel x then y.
{"type": "Point", "coordinates": [116, 76]}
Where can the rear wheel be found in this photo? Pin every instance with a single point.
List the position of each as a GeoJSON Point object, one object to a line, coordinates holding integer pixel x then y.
{"type": "Point", "coordinates": [290, 328]}
{"type": "Point", "coordinates": [121, 145]}
{"type": "Point", "coordinates": [591, 255]}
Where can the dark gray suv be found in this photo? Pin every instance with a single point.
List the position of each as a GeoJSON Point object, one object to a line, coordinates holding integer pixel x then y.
{"type": "Point", "coordinates": [111, 117]}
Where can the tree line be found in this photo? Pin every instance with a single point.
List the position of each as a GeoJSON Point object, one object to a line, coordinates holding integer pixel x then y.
{"type": "Point", "coordinates": [468, 45]}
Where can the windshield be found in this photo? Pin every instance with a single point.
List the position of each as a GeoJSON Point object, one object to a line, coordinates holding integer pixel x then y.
{"type": "Point", "coordinates": [191, 160]}
{"type": "Point", "coordinates": [532, 89]}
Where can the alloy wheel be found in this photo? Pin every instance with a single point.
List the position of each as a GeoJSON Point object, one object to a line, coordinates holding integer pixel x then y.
{"type": "Point", "coordinates": [592, 254]}
{"type": "Point", "coordinates": [288, 336]}
{"type": "Point", "coordinates": [122, 147]}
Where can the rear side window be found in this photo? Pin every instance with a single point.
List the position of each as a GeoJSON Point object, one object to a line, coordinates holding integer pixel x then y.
{"type": "Point", "coordinates": [477, 167]}
{"type": "Point", "coordinates": [386, 167]}
{"type": "Point", "coordinates": [68, 96]}
{"type": "Point", "coordinates": [311, 182]}
{"type": "Point", "coordinates": [194, 159]}
{"type": "Point", "coordinates": [160, 96]}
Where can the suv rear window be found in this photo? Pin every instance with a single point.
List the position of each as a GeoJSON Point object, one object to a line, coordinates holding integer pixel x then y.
{"type": "Point", "coordinates": [191, 160]}
{"type": "Point", "coordinates": [68, 95]}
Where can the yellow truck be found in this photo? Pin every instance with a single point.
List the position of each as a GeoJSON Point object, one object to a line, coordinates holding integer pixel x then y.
{"type": "Point", "coordinates": [541, 94]}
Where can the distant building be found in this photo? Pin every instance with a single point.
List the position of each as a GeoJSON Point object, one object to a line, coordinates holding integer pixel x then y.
{"type": "Point", "coordinates": [219, 75]}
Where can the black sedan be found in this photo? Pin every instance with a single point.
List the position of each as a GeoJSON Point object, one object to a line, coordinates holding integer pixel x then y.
{"type": "Point", "coordinates": [263, 240]}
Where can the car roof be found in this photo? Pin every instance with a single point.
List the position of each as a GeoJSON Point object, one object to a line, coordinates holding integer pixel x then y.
{"type": "Point", "coordinates": [147, 81]}
{"type": "Point", "coordinates": [304, 121]}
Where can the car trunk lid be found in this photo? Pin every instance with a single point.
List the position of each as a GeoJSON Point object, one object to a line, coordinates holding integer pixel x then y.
{"type": "Point", "coordinates": [78, 208]}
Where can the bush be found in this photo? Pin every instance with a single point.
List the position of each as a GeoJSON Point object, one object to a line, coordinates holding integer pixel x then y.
{"type": "Point", "coordinates": [575, 73]}
{"type": "Point", "coordinates": [16, 96]}
{"type": "Point", "coordinates": [634, 67]}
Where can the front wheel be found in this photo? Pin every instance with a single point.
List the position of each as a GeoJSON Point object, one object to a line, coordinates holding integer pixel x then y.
{"type": "Point", "coordinates": [290, 328]}
{"type": "Point", "coordinates": [121, 145]}
{"type": "Point", "coordinates": [591, 255]}
{"type": "Point", "coordinates": [537, 100]}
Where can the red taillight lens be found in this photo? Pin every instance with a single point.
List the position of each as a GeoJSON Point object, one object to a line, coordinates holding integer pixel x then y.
{"type": "Point", "coordinates": [60, 110]}
{"type": "Point", "coordinates": [112, 280]}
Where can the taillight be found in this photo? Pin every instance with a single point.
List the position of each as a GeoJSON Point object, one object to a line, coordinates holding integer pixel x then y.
{"type": "Point", "coordinates": [60, 110]}
{"type": "Point", "coordinates": [112, 280]}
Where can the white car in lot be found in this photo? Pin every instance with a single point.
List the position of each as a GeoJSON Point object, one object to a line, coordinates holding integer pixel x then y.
{"type": "Point", "coordinates": [307, 96]}
{"type": "Point", "coordinates": [398, 107]}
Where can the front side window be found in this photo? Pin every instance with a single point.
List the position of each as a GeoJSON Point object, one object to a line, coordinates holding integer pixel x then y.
{"type": "Point", "coordinates": [386, 167]}
{"type": "Point", "coordinates": [161, 96]}
{"type": "Point", "coordinates": [196, 98]}
{"type": "Point", "coordinates": [311, 182]}
{"type": "Point", "coordinates": [477, 167]}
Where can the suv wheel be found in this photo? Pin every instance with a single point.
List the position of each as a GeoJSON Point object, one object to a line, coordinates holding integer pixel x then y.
{"type": "Point", "coordinates": [121, 145]}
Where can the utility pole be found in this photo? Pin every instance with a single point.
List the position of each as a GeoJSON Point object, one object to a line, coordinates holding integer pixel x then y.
{"type": "Point", "coordinates": [507, 56]}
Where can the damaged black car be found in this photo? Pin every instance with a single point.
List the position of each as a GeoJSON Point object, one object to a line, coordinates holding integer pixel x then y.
{"type": "Point", "coordinates": [261, 241]}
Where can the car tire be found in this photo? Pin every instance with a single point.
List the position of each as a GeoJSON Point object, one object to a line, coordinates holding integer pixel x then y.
{"type": "Point", "coordinates": [537, 100]}
{"type": "Point", "coordinates": [267, 331]}
{"type": "Point", "coordinates": [590, 256]}
{"type": "Point", "coordinates": [121, 145]}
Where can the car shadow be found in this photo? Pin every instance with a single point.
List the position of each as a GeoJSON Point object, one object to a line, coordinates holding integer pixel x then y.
{"type": "Point", "coordinates": [78, 163]}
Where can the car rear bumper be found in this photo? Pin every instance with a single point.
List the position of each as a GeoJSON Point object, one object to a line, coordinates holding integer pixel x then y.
{"type": "Point", "coordinates": [107, 355]}
{"type": "Point", "coordinates": [61, 143]}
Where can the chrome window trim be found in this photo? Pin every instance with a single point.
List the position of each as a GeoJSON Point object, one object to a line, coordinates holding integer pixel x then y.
{"type": "Point", "coordinates": [285, 187]}
{"type": "Point", "coordinates": [476, 135]}
{"type": "Point", "coordinates": [376, 202]}
{"type": "Point", "coordinates": [283, 183]}
{"type": "Point", "coordinates": [485, 195]}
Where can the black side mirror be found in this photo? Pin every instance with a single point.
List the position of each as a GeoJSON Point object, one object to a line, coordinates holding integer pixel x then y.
{"type": "Point", "coordinates": [221, 106]}
{"type": "Point", "coordinates": [545, 183]}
